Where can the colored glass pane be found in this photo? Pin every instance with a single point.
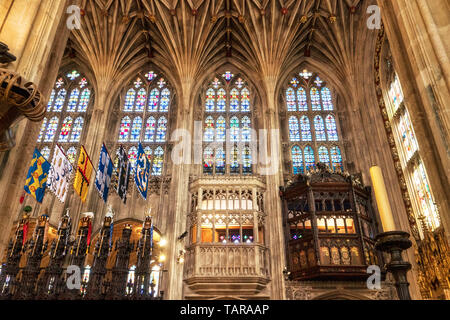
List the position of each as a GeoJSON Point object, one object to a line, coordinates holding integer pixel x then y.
{"type": "Point", "coordinates": [210, 96]}
{"type": "Point", "coordinates": [65, 130]}
{"type": "Point", "coordinates": [209, 130]}
{"type": "Point", "coordinates": [50, 101]}
{"type": "Point", "coordinates": [234, 101]}
{"type": "Point", "coordinates": [153, 100]}
{"type": "Point", "coordinates": [407, 136]}
{"type": "Point", "coordinates": [132, 156]}
{"type": "Point", "coordinates": [150, 129]}
{"type": "Point", "coordinates": [297, 160]}
{"type": "Point", "coordinates": [124, 133]}
{"type": "Point", "coordinates": [71, 154]}
{"type": "Point", "coordinates": [323, 155]}
{"type": "Point", "coordinates": [331, 128]}
{"type": "Point", "coordinates": [41, 132]}
{"type": "Point", "coordinates": [309, 158]}
{"type": "Point", "coordinates": [305, 128]}
{"type": "Point", "coordinates": [220, 160]}
{"type": "Point", "coordinates": [158, 162]}
{"type": "Point", "coordinates": [245, 100]}
{"type": "Point", "coordinates": [161, 131]}
{"type": "Point", "coordinates": [77, 129]}
{"type": "Point", "coordinates": [45, 151]}
{"type": "Point", "coordinates": [315, 99]}
{"type": "Point", "coordinates": [220, 129]}
{"type": "Point", "coordinates": [396, 95]}
{"type": "Point", "coordinates": [165, 99]}
{"type": "Point", "coordinates": [294, 129]}
{"type": "Point", "coordinates": [140, 101]}
{"type": "Point", "coordinates": [336, 158]}
{"type": "Point", "coordinates": [246, 160]}
{"type": "Point", "coordinates": [327, 104]}
{"type": "Point", "coordinates": [51, 129]}
{"type": "Point", "coordinates": [73, 100]}
{"type": "Point", "coordinates": [319, 127]}
{"type": "Point", "coordinates": [59, 102]}
{"type": "Point", "coordinates": [234, 129]}
{"type": "Point", "coordinates": [149, 153]}
{"type": "Point", "coordinates": [246, 133]}
{"type": "Point", "coordinates": [290, 100]}
{"type": "Point", "coordinates": [221, 100]}
{"type": "Point", "coordinates": [208, 160]}
{"type": "Point", "coordinates": [136, 129]}
{"type": "Point", "coordinates": [301, 99]}
{"type": "Point", "coordinates": [84, 100]}
{"type": "Point", "coordinates": [129, 100]}
{"type": "Point", "coordinates": [425, 198]}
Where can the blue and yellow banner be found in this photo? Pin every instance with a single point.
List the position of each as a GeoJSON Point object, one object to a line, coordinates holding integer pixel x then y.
{"type": "Point", "coordinates": [37, 176]}
{"type": "Point", "coordinates": [142, 171]}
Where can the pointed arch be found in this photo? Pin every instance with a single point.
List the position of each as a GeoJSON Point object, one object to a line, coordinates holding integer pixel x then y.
{"type": "Point", "coordinates": [297, 159]}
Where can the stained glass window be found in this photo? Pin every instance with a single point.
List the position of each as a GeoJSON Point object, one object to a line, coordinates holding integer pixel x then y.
{"type": "Point", "coordinates": [220, 129]}
{"type": "Point", "coordinates": [246, 129]}
{"type": "Point", "coordinates": [319, 127]}
{"type": "Point", "coordinates": [425, 198]}
{"type": "Point", "coordinates": [50, 101]}
{"type": "Point", "coordinates": [132, 156]}
{"type": "Point", "coordinates": [158, 161]}
{"type": "Point", "coordinates": [45, 151]}
{"type": "Point", "coordinates": [165, 99]}
{"type": "Point", "coordinates": [220, 161]}
{"type": "Point", "coordinates": [65, 129]}
{"type": "Point", "coordinates": [150, 130]}
{"type": "Point", "coordinates": [314, 103]}
{"type": "Point", "coordinates": [124, 133]}
{"type": "Point", "coordinates": [234, 129]}
{"type": "Point", "coordinates": [71, 154]}
{"type": "Point", "coordinates": [331, 128]}
{"type": "Point", "coordinates": [208, 160]}
{"type": "Point", "coordinates": [305, 128]}
{"type": "Point", "coordinates": [297, 160]}
{"type": "Point", "coordinates": [84, 100]}
{"type": "Point", "coordinates": [209, 129]}
{"type": "Point", "coordinates": [396, 95]}
{"type": "Point", "coordinates": [73, 100]}
{"type": "Point", "coordinates": [221, 100]}
{"type": "Point", "coordinates": [336, 157]}
{"type": "Point", "coordinates": [323, 155]}
{"type": "Point", "coordinates": [246, 160]}
{"type": "Point", "coordinates": [41, 132]}
{"type": "Point", "coordinates": [245, 100]}
{"type": "Point", "coordinates": [153, 100]}
{"type": "Point", "coordinates": [162, 128]}
{"type": "Point", "coordinates": [309, 158]}
{"type": "Point", "coordinates": [77, 129]}
{"type": "Point", "coordinates": [210, 96]}
{"type": "Point", "coordinates": [51, 129]}
{"type": "Point", "coordinates": [326, 99]}
{"type": "Point", "coordinates": [290, 99]}
{"type": "Point", "coordinates": [234, 101]}
{"type": "Point", "coordinates": [129, 100]}
{"type": "Point", "coordinates": [407, 136]}
{"type": "Point", "coordinates": [60, 99]}
{"type": "Point", "coordinates": [234, 163]}
{"type": "Point", "coordinates": [149, 152]}
{"type": "Point", "coordinates": [141, 99]}
{"type": "Point", "coordinates": [302, 101]}
{"type": "Point", "coordinates": [294, 129]}
{"type": "Point", "coordinates": [315, 99]}
{"type": "Point", "coordinates": [136, 129]}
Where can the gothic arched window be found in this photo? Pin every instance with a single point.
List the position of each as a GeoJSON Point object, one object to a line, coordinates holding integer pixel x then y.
{"type": "Point", "coordinates": [312, 129]}
{"type": "Point", "coordinates": [227, 131]}
{"type": "Point", "coordinates": [144, 119]}
{"type": "Point", "coordinates": [65, 118]}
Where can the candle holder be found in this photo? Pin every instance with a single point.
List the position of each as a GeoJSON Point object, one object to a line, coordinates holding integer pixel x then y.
{"type": "Point", "coordinates": [394, 243]}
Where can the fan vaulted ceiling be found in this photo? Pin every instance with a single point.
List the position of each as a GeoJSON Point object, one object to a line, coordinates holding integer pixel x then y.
{"type": "Point", "coordinates": [188, 38]}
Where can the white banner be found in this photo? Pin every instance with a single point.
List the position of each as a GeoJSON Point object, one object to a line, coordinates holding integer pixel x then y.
{"type": "Point", "coordinates": [59, 176]}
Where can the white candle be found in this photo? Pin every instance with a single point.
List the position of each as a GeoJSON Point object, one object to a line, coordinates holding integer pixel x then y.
{"type": "Point", "coordinates": [384, 208]}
